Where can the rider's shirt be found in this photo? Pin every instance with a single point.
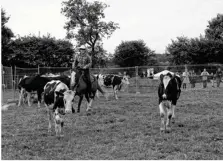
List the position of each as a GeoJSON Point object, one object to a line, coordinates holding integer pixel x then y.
{"type": "Point", "coordinates": [82, 61]}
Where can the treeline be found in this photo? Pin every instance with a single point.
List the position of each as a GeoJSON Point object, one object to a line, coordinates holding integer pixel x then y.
{"type": "Point", "coordinates": [201, 50]}
{"type": "Point", "coordinates": [33, 51]}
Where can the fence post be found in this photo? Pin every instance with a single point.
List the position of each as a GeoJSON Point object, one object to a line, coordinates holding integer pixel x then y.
{"type": "Point", "coordinates": [3, 82]}
{"type": "Point", "coordinates": [15, 75]}
{"type": "Point", "coordinates": [13, 83]}
{"type": "Point", "coordinates": [137, 71]}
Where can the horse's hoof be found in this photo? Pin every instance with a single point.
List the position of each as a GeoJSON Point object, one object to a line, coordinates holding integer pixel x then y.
{"type": "Point", "coordinates": [173, 120]}
{"type": "Point", "coordinates": [73, 110]}
{"type": "Point", "coordinates": [162, 130]}
{"type": "Point", "coordinates": [168, 130]}
{"type": "Point", "coordinates": [89, 110]}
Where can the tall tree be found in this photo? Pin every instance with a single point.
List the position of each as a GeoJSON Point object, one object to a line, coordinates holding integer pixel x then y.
{"type": "Point", "coordinates": [179, 50]}
{"type": "Point", "coordinates": [133, 53]}
{"type": "Point", "coordinates": [85, 22]}
{"type": "Point", "coordinates": [215, 28]}
{"type": "Point", "coordinates": [7, 34]}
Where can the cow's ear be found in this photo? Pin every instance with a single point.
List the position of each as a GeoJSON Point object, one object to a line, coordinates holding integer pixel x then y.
{"type": "Point", "coordinates": [169, 74]}
{"type": "Point", "coordinates": [161, 77]}
{"type": "Point", "coordinates": [59, 93]}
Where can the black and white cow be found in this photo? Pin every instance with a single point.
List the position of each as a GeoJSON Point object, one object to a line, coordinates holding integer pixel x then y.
{"type": "Point", "coordinates": [113, 81]}
{"type": "Point", "coordinates": [169, 92]}
{"type": "Point", "coordinates": [58, 100]}
{"type": "Point", "coordinates": [30, 84]}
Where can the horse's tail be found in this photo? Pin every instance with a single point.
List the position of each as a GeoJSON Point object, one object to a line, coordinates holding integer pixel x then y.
{"type": "Point", "coordinates": [102, 92]}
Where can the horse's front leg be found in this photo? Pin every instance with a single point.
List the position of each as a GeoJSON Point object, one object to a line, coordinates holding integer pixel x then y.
{"type": "Point", "coordinates": [89, 102]}
{"type": "Point", "coordinates": [49, 117]}
{"type": "Point", "coordinates": [79, 103]}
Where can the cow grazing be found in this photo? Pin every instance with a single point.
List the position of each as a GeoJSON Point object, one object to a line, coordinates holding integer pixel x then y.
{"type": "Point", "coordinates": [169, 92]}
{"type": "Point", "coordinates": [58, 100]}
{"type": "Point", "coordinates": [63, 78]}
{"type": "Point", "coordinates": [113, 81]}
{"type": "Point", "coordinates": [31, 84]}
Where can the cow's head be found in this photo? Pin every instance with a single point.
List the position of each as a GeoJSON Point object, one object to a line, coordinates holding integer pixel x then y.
{"type": "Point", "coordinates": [100, 78]}
{"type": "Point", "coordinates": [125, 83]}
{"type": "Point", "coordinates": [125, 80]}
{"type": "Point", "coordinates": [68, 98]}
{"type": "Point", "coordinates": [173, 80]}
{"type": "Point", "coordinates": [165, 80]}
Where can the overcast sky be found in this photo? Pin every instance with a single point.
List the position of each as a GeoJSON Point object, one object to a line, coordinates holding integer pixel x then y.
{"type": "Point", "coordinates": [154, 21]}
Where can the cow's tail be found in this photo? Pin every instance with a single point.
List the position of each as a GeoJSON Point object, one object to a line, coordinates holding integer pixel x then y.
{"type": "Point", "coordinates": [102, 92]}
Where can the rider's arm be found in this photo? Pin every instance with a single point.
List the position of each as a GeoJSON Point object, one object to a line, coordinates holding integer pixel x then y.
{"type": "Point", "coordinates": [74, 64]}
{"type": "Point", "coordinates": [88, 65]}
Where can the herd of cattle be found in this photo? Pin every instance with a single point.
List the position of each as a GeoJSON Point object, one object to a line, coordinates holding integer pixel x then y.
{"type": "Point", "coordinates": [58, 96]}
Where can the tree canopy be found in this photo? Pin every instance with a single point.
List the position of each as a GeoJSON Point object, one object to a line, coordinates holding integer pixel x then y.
{"type": "Point", "coordinates": [201, 50]}
{"type": "Point", "coordinates": [86, 24]}
{"type": "Point", "coordinates": [7, 35]}
{"type": "Point", "coordinates": [215, 28]}
{"type": "Point", "coordinates": [133, 53]}
{"type": "Point", "coordinates": [31, 51]}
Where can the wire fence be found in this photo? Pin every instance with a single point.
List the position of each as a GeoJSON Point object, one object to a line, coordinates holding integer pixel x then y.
{"type": "Point", "coordinates": [141, 78]}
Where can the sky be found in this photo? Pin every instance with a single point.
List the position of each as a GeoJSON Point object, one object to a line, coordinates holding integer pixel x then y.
{"type": "Point", "coordinates": [157, 22]}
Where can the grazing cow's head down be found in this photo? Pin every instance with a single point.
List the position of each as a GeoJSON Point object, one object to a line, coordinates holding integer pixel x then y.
{"type": "Point", "coordinates": [112, 80]}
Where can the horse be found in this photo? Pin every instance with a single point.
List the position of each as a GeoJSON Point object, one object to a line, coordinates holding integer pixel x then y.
{"type": "Point", "coordinates": [81, 89]}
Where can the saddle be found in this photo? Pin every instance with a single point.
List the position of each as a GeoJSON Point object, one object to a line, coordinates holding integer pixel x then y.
{"type": "Point", "coordinates": [93, 78]}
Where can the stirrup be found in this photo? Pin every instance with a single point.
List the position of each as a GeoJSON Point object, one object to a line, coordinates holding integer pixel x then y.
{"type": "Point", "coordinates": [91, 94]}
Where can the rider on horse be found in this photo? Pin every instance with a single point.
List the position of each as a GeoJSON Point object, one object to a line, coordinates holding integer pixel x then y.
{"type": "Point", "coordinates": [83, 62]}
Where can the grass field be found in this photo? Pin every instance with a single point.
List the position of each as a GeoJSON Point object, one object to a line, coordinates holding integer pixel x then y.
{"type": "Point", "coordinates": [123, 129]}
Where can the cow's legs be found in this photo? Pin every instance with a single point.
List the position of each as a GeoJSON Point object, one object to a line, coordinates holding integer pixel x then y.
{"type": "Point", "coordinates": [173, 113]}
{"type": "Point", "coordinates": [39, 95]}
{"type": "Point", "coordinates": [162, 117]}
{"type": "Point", "coordinates": [58, 123]}
{"type": "Point", "coordinates": [21, 96]}
{"type": "Point", "coordinates": [97, 94]}
{"type": "Point", "coordinates": [115, 92]}
{"type": "Point", "coordinates": [29, 98]}
{"type": "Point", "coordinates": [169, 116]}
{"type": "Point", "coordinates": [49, 118]}
{"type": "Point", "coordinates": [79, 103]}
